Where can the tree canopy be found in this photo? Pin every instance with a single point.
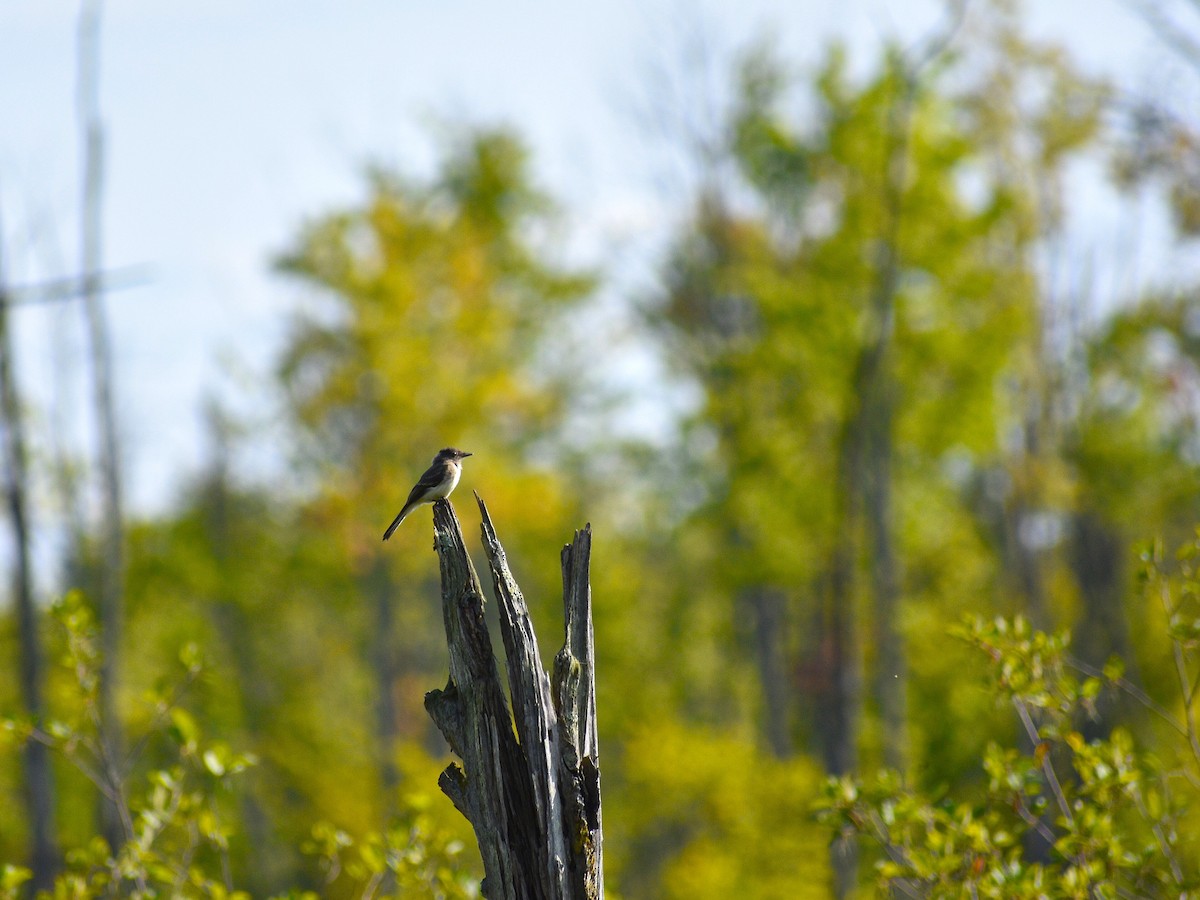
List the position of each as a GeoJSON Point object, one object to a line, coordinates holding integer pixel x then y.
{"type": "Point", "coordinates": [895, 583]}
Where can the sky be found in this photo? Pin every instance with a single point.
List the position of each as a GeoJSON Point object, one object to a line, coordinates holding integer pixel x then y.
{"type": "Point", "coordinates": [229, 123]}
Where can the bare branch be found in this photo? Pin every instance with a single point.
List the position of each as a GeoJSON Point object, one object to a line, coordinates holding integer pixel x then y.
{"type": "Point", "coordinates": [72, 287]}
{"type": "Point", "coordinates": [1047, 766]}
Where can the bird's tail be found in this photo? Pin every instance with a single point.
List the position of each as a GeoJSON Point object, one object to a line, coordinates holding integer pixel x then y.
{"type": "Point", "coordinates": [396, 522]}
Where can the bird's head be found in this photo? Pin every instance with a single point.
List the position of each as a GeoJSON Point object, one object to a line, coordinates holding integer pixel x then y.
{"type": "Point", "coordinates": [449, 453]}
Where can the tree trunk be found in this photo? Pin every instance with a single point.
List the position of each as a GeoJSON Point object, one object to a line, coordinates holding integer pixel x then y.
{"type": "Point", "coordinates": [532, 797]}
{"type": "Point", "coordinates": [39, 777]}
{"type": "Point", "coordinates": [386, 668]}
{"type": "Point", "coordinates": [234, 626]}
{"type": "Point", "coordinates": [891, 663]}
{"type": "Point", "coordinates": [839, 707]}
{"type": "Point", "coordinates": [1102, 631]}
{"type": "Point", "coordinates": [769, 608]}
{"type": "Point", "coordinates": [111, 586]}
{"type": "Point", "coordinates": [876, 405]}
{"type": "Point", "coordinates": [865, 489]}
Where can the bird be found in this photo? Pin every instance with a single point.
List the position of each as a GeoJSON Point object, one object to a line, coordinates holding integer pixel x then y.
{"type": "Point", "coordinates": [436, 484]}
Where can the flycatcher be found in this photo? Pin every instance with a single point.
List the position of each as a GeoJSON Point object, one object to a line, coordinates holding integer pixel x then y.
{"type": "Point", "coordinates": [437, 483]}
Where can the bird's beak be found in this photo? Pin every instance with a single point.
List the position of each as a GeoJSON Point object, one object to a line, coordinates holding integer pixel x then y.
{"type": "Point", "coordinates": [465, 455]}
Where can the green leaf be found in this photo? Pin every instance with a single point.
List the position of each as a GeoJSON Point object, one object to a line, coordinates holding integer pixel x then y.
{"type": "Point", "coordinates": [214, 763]}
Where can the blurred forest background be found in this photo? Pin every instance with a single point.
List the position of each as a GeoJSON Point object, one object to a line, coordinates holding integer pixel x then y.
{"type": "Point", "coordinates": [893, 393]}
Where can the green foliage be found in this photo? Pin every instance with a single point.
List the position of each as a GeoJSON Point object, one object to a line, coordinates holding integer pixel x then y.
{"type": "Point", "coordinates": [174, 814]}
{"type": "Point", "coordinates": [705, 814]}
{"type": "Point", "coordinates": [11, 879]}
{"type": "Point", "coordinates": [177, 812]}
{"type": "Point", "coordinates": [1064, 815]}
{"type": "Point", "coordinates": [1161, 145]}
{"type": "Point", "coordinates": [412, 858]}
{"type": "Point", "coordinates": [884, 230]}
{"type": "Point", "coordinates": [1136, 446]}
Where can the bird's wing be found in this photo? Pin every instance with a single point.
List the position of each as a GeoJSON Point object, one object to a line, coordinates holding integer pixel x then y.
{"type": "Point", "coordinates": [433, 477]}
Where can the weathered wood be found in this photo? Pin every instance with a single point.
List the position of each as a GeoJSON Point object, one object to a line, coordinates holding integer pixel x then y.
{"type": "Point", "coordinates": [575, 699]}
{"type": "Point", "coordinates": [473, 715]}
{"type": "Point", "coordinates": [532, 797]}
{"type": "Point", "coordinates": [533, 711]}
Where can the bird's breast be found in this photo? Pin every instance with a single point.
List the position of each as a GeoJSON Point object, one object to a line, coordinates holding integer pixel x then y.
{"type": "Point", "coordinates": [451, 481]}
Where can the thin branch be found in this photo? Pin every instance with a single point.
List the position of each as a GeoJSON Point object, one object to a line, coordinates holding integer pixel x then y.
{"type": "Point", "coordinates": [1133, 691]}
{"type": "Point", "coordinates": [85, 769]}
{"type": "Point", "coordinates": [372, 886]}
{"type": "Point", "coordinates": [1189, 712]}
{"type": "Point", "coordinates": [929, 48]}
{"type": "Point", "coordinates": [189, 853]}
{"type": "Point", "coordinates": [893, 850]}
{"type": "Point", "coordinates": [1168, 31]}
{"type": "Point", "coordinates": [1164, 845]}
{"type": "Point", "coordinates": [1035, 822]}
{"type": "Point", "coordinates": [1185, 679]}
{"type": "Point", "coordinates": [1047, 766]}
{"type": "Point", "coordinates": [161, 712]}
{"type": "Point", "coordinates": [71, 287]}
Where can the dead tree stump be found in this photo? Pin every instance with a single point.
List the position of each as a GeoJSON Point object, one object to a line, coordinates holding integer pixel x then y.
{"type": "Point", "coordinates": [533, 795]}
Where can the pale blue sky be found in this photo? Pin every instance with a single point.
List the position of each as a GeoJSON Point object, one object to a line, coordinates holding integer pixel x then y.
{"type": "Point", "coordinates": [230, 121]}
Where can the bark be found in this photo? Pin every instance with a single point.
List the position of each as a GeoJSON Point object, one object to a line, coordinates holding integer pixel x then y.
{"type": "Point", "coordinates": [533, 796]}
{"type": "Point", "coordinates": [386, 666]}
{"type": "Point", "coordinates": [1025, 561]}
{"type": "Point", "coordinates": [39, 779]}
{"type": "Point", "coordinates": [1098, 562]}
{"type": "Point", "coordinates": [874, 429]}
{"type": "Point", "coordinates": [839, 709]}
{"type": "Point", "coordinates": [865, 490]}
{"type": "Point", "coordinates": [1022, 561]}
{"type": "Point", "coordinates": [839, 684]}
{"type": "Point", "coordinates": [575, 701]}
{"type": "Point", "coordinates": [769, 608]}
